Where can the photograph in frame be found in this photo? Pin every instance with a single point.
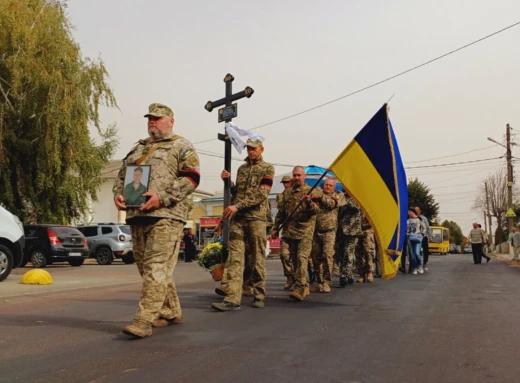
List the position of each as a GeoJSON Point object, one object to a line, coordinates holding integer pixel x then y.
{"type": "Point", "coordinates": [137, 179]}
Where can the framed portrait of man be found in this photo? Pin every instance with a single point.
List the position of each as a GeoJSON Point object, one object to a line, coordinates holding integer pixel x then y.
{"type": "Point", "coordinates": [137, 180]}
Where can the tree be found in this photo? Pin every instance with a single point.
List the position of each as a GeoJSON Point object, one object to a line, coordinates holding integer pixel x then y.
{"type": "Point", "coordinates": [456, 235]}
{"type": "Point", "coordinates": [419, 195]}
{"type": "Point", "coordinates": [50, 166]}
{"type": "Point", "coordinates": [497, 195]}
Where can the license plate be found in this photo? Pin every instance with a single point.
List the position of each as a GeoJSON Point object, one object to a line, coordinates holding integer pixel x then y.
{"type": "Point", "coordinates": [74, 254]}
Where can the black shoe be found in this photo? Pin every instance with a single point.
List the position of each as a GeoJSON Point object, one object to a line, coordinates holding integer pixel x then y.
{"type": "Point", "coordinates": [377, 275]}
{"type": "Point", "coordinates": [488, 259]}
{"type": "Point", "coordinates": [402, 270]}
{"type": "Point", "coordinates": [343, 282]}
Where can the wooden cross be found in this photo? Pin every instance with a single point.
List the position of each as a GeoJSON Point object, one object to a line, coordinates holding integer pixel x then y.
{"type": "Point", "coordinates": [227, 114]}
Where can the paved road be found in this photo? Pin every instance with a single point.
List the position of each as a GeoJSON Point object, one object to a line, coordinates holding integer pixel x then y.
{"type": "Point", "coordinates": [458, 323]}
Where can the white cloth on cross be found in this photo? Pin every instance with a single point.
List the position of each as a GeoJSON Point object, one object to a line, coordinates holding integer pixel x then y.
{"type": "Point", "coordinates": [234, 132]}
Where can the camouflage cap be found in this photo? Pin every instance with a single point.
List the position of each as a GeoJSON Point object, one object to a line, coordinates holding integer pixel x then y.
{"type": "Point", "coordinates": [159, 110]}
{"type": "Point", "coordinates": [286, 179]}
{"type": "Point", "coordinates": [254, 143]}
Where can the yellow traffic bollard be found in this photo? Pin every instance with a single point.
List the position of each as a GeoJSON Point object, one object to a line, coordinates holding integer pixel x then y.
{"type": "Point", "coordinates": [36, 277]}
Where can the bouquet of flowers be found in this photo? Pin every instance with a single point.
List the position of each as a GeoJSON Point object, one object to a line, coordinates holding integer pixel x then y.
{"type": "Point", "coordinates": [212, 258]}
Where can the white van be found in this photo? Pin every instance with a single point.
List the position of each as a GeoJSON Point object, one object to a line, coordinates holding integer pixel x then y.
{"type": "Point", "coordinates": [12, 241]}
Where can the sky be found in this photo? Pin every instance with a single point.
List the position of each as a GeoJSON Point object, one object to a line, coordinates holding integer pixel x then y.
{"type": "Point", "coordinates": [300, 54]}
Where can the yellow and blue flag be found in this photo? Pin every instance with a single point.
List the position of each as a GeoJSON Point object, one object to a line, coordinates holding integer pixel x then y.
{"type": "Point", "coordinates": [371, 170]}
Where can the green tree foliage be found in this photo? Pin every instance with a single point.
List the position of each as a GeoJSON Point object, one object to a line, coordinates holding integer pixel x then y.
{"type": "Point", "coordinates": [419, 195]}
{"type": "Point", "coordinates": [456, 235]}
{"type": "Point", "coordinates": [50, 166]}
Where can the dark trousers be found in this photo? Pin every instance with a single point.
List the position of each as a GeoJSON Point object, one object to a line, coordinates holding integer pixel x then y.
{"type": "Point", "coordinates": [189, 254]}
{"type": "Point", "coordinates": [425, 251]}
{"type": "Point", "coordinates": [476, 249]}
{"type": "Point", "coordinates": [404, 254]}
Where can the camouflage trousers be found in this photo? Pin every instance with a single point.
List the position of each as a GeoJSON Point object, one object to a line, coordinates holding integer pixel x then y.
{"type": "Point", "coordinates": [365, 252]}
{"type": "Point", "coordinates": [288, 263]}
{"type": "Point", "coordinates": [156, 250]}
{"type": "Point", "coordinates": [252, 233]}
{"type": "Point", "coordinates": [323, 256]}
{"type": "Point", "coordinates": [248, 271]}
{"type": "Point", "coordinates": [347, 255]}
{"type": "Point", "coordinates": [299, 251]}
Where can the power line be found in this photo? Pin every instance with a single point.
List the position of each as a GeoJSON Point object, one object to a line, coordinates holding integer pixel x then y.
{"type": "Point", "coordinates": [381, 81]}
{"type": "Point", "coordinates": [453, 163]}
{"type": "Point", "coordinates": [451, 155]}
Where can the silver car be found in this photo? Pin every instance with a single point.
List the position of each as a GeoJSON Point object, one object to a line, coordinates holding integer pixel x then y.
{"type": "Point", "coordinates": [107, 241]}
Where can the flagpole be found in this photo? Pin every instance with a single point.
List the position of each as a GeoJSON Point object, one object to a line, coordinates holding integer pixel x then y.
{"type": "Point", "coordinates": [301, 201]}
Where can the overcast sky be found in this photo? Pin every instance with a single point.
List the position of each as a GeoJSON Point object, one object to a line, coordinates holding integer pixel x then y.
{"type": "Point", "coordinates": [299, 54]}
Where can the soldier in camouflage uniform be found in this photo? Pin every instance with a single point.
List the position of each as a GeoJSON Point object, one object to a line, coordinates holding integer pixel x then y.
{"type": "Point", "coordinates": [157, 225]}
{"type": "Point", "coordinates": [298, 229]}
{"type": "Point", "coordinates": [348, 234]}
{"type": "Point", "coordinates": [365, 252]}
{"type": "Point", "coordinates": [325, 235]}
{"type": "Point", "coordinates": [288, 265]}
{"type": "Point", "coordinates": [248, 225]}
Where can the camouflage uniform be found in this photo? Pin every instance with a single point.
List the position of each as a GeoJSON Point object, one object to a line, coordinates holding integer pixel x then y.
{"type": "Point", "coordinates": [156, 234]}
{"type": "Point", "coordinates": [288, 264]}
{"type": "Point", "coordinates": [297, 232]}
{"type": "Point", "coordinates": [254, 181]}
{"type": "Point", "coordinates": [365, 248]}
{"type": "Point", "coordinates": [348, 234]}
{"type": "Point", "coordinates": [251, 271]}
{"type": "Point", "coordinates": [325, 237]}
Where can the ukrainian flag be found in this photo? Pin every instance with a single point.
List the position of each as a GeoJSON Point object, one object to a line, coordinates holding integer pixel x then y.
{"type": "Point", "coordinates": [371, 170]}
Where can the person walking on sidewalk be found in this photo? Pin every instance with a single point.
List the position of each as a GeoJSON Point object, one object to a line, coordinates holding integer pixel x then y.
{"type": "Point", "coordinates": [477, 239]}
{"type": "Point", "coordinates": [515, 241]}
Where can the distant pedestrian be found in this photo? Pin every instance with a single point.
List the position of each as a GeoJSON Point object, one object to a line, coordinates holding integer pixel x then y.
{"type": "Point", "coordinates": [415, 230]}
{"type": "Point", "coordinates": [190, 245]}
{"type": "Point", "coordinates": [485, 244]}
{"type": "Point", "coordinates": [515, 241]}
{"type": "Point", "coordinates": [426, 237]}
{"type": "Point", "coordinates": [477, 240]}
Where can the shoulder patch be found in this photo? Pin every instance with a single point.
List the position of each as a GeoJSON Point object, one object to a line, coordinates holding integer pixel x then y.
{"type": "Point", "coordinates": [186, 153]}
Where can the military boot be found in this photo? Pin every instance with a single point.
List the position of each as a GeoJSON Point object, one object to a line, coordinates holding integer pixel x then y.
{"type": "Point", "coordinates": [248, 292]}
{"type": "Point", "coordinates": [370, 277]}
{"type": "Point", "coordinates": [258, 303]}
{"type": "Point", "coordinates": [306, 291]}
{"type": "Point", "coordinates": [288, 284]}
{"type": "Point", "coordinates": [296, 295]}
{"type": "Point", "coordinates": [361, 278]}
{"type": "Point", "coordinates": [326, 288]}
{"type": "Point", "coordinates": [163, 322]}
{"type": "Point", "coordinates": [139, 328]}
{"type": "Point", "coordinates": [225, 306]}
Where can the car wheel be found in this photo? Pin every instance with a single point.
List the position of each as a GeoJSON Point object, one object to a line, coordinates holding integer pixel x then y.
{"type": "Point", "coordinates": [76, 262]}
{"type": "Point", "coordinates": [104, 256]}
{"type": "Point", "coordinates": [128, 259]}
{"type": "Point", "coordinates": [38, 259]}
{"type": "Point", "coordinates": [6, 262]}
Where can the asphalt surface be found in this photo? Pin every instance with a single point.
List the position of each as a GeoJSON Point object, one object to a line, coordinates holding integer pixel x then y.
{"type": "Point", "coordinates": [457, 323]}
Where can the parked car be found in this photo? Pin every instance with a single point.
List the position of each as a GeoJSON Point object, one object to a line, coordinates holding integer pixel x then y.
{"type": "Point", "coordinates": [107, 241]}
{"type": "Point", "coordinates": [454, 249]}
{"type": "Point", "coordinates": [12, 240]}
{"type": "Point", "coordinates": [48, 244]}
{"type": "Point", "coordinates": [468, 249]}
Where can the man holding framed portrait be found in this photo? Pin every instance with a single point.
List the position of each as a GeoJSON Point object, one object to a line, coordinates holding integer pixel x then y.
{"type": "Point", "coordinates": [167, 166]}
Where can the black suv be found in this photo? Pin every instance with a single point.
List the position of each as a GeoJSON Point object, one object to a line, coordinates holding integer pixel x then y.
{"type": "Point", "coordinates": [46, 244]}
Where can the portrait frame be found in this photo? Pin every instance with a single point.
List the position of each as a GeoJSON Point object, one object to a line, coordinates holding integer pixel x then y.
{"type": "Point", "coordinates": [134, 196]}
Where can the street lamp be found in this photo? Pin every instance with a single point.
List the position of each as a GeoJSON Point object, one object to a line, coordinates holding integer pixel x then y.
{"type": "Point", "coordinates": [496, 142]}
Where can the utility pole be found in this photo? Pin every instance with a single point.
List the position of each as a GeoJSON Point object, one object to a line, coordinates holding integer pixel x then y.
{"type": "Point", "coordinates": [489, 218]}
{"type": "Point", "coordinates": [509, 177]}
